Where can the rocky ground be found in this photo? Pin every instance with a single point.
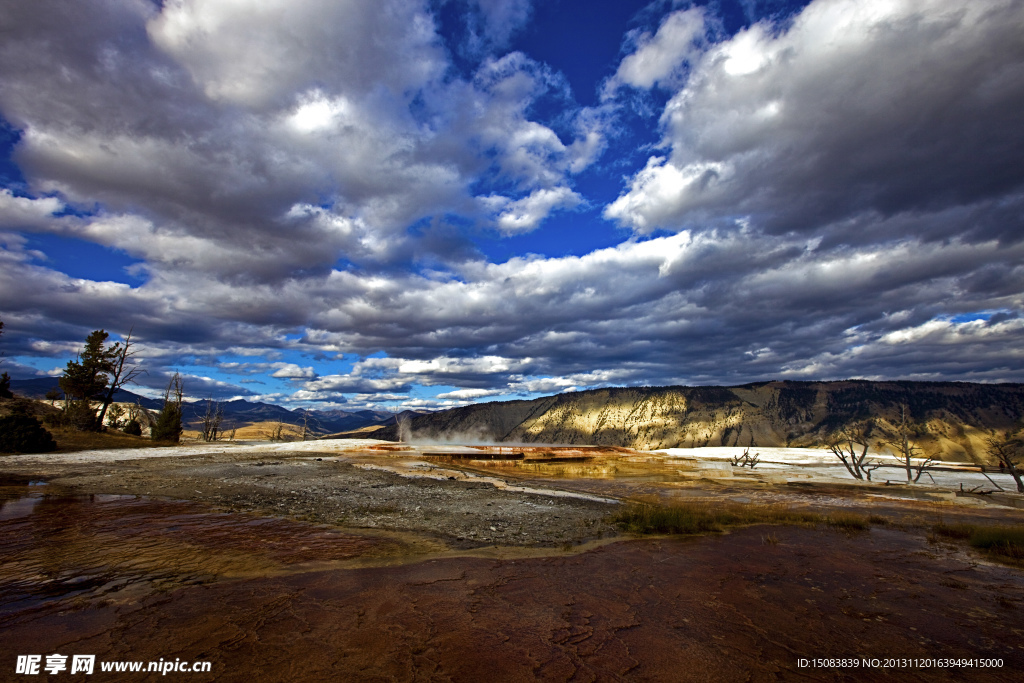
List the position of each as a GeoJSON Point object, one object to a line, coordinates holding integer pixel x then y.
{"type": "Point", "coordinates": [462, 512]}
{"type": "Point", "coordinates": [292, 563]}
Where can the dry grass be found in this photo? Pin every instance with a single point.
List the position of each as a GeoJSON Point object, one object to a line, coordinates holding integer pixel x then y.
{"type": "Point", "coordinates": [1004, 543]}
{"type": "Point", "coordinates": [701, 518]}
{"type": "Point", "coordinates": [957, 531]}
{"type": "Point", "coordinates": [70, 440]}
{"type": "Point", "coordinates": [256, 431]}
{"type": "Point", "coordinates": [361, 433]}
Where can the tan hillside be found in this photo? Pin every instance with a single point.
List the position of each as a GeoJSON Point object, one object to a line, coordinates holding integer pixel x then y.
{"type": "Point", "coordinates": [951, 419]}
{"type": "Point", "coordinates": [255, 431]}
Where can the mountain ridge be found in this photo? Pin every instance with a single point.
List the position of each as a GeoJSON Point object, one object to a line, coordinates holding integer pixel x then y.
{"type": "Point", "coordinates": [951, 420]}
{"type": "Point", "coordinates": [237, 413]}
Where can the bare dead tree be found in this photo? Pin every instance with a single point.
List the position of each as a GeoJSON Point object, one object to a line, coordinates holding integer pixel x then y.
{"type": "Point", "coordinates": [746, 460]}
{"type": "Point", "coordinates": [277, 433]}
{"type": "Point", "coordinates": [211, 420]}
{"type": "Point", "coordinates": [306, 419]}
{"type": "Point", "coordinates": [907, 452]}
{"type": "Point", "coordinates": [1008, 449]}
{"type": "Point", "coordinates": [844, 445]}
{"type": "Point", "coordinates": [868, 468]}
{"type": "Point", "coordinates": [403, 422]}
{"type": "Point", "coordinates": [120, 372]}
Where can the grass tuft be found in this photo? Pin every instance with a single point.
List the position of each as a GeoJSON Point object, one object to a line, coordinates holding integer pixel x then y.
{"type": "Point", "coordinates": [848, 521]}
{"type": "Point", "coordinates": [958, 531]}
{"type": "Point", "coordinates": [1001, 542]}
{"type": "Point", "coordinates": [702, 518]}
{"type": "Point", "coordinates": [647, 518]}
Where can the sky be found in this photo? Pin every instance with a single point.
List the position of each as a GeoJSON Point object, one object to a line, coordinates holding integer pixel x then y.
{"type": "Point", "coordinates": [425, 203]}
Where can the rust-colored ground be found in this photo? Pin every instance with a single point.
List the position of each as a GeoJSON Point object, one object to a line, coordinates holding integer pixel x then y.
{"type": "Point", "coordinates": [169, 580]}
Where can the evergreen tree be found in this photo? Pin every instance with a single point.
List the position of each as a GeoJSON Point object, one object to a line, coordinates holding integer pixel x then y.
{"type": "Point", "coordinates": [5, 379]}
{"type": "Point", "coordinates": [85, 378]}
{"type": "Point", "coordinates": [168, 422]}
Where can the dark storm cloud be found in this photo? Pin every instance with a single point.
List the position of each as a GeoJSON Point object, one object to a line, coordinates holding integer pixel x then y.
{"type": "Point", "coordinates": [874, 108]}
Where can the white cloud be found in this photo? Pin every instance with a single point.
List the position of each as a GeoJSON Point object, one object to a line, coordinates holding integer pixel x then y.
{"type": "Point", "coordinates": [292, 371]}
{"type": "Point", "coordinates": [659, 58]}
{"type": "Point", "coordinates": [527, 213]}
{"type": "Point", "coordinates": [657, 192]}
{"type": "Point", "coordinates": [27, 213]}
{"type": "Point", "coordinates": [469, 394]}
{"type": "Point", "coordinates": [254, 52]}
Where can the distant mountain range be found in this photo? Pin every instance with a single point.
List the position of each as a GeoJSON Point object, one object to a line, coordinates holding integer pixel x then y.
{"type": "Point", "coordinates": [237, 413]}
{"type": "Point", "coordinates": [38, 387]}
{"type": "Point", "coordinates": [951, 420]}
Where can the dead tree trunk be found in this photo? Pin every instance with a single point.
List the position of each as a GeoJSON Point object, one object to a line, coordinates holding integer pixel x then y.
{"type": "Point", "coordinates": [905, 451]}
{"type": "Point", "coordinates": [120, 374]}
{"type": "Point", "coordinates": [211, 420]}
{"type": "Point", "coordinates": [1009, 451]}
{"type": "Point", "coordinates": [843, 446]}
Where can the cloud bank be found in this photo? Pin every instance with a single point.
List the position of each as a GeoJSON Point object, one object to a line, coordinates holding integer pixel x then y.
{"type": "Point", "coordinates": [312, 184]}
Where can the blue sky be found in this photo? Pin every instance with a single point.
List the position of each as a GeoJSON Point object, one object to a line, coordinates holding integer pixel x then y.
{"type": "Point", "coordinates": [424, 203]}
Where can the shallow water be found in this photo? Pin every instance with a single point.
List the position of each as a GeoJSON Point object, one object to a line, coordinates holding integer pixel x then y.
{"type": "Point", "coordinates": [70, 548]}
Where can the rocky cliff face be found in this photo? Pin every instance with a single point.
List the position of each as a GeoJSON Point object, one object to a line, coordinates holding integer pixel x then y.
{"type": "Point", "coordinates": [951, 419]}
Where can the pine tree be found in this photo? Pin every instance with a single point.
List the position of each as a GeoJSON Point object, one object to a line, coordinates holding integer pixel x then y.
{"type": "Point", "coordinates": [168, 422]}
{"type": "Point", "coordinates": [5, 379]}
{"type": "Point", "coordinates": [84, 378]}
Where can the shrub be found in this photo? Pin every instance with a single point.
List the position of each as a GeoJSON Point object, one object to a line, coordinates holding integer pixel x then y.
{"type": "Point", "coordinates": [76, 415]}
{"type": "Point", "coordinates": [116, 416]}
{"type": "Point", "coordinates": [168, 424]}
{"type": "Point", "coordinates": [133, 427]}
{"type": "Point", "coordinates": [22, 433]}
